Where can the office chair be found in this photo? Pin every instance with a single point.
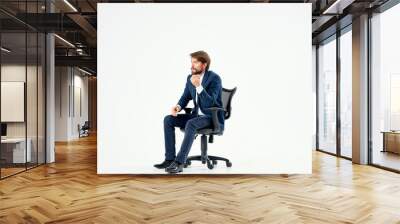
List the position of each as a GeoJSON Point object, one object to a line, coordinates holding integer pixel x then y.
{"type": "Point", "coordinates": [84, 129]}
{"type": "Point", "coordinates": [227, 95]}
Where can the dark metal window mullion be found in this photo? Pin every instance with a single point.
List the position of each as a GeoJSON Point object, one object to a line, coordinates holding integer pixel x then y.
{"type": "Point", "coordinates": [317, 95]}
{"type": "Point", "coordinates": [45, 91]}
{"type": "Point", "coordinates": [26, 86]}
{"type": "Point", "coordinates": [369, 90]}
{"type": "Point", "coordinates": [338, 92]}
{"type": "Point", "coordinates": [37, 90]}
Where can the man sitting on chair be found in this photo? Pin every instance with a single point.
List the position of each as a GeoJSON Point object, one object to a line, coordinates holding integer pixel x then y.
{"type": "Point", "coordinates": [204, 87]}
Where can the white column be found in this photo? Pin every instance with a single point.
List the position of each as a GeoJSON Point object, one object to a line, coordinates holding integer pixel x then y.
{"type": "Point", "coordinates": [50, 100]}
{"type": "Point", "coordinates": [360, 90]}
{"type": "Point", "coordinates": [50, 92]}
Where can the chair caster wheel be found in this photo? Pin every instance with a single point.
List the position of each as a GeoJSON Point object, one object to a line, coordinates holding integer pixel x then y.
{"type": "Point", "coordinates": [210, 165]}
{"type": "Point", "coordinates": [214, 162]}
{"type": "Point", "coordinates": [228, 164]}
{"type": "Point", "coordinates": [188, 163]}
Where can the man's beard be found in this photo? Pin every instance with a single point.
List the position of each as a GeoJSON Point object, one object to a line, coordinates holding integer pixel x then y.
{"type": "Point", "coordinates": [196, 72]}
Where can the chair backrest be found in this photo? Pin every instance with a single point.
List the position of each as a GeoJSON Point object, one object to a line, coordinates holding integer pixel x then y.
{"type": "Point", "coordinates": [226, 98]}
{"type": "Point", "coordinates": [86, 125]}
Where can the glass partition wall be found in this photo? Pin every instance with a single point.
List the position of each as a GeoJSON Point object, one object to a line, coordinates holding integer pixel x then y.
{"type": "Point", "coordinates": [327, 95]}
{"type": "Point", "coordinates": [334, 93]}
{"type": "Point", "coordinates": [22, 89]}
{"type": "Point", "coordinates": [385, 89]}
{"type": "Point", "coordinates": [346, 74]}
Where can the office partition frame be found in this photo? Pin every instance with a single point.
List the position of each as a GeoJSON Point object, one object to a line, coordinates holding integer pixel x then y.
{"type": "Point", "coordinates": [31, 30]}
{"type": "Point", "coordinates": [337, 35]}
{"type": "Point", "coordinates": [382, 8]}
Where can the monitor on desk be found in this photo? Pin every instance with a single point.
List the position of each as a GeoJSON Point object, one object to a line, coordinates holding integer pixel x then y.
{"type": "Point", "coordinates": [3, 130]}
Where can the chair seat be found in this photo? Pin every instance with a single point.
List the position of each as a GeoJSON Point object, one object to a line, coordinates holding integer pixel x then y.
{"type": "Point", "coordinates": [206, 131]}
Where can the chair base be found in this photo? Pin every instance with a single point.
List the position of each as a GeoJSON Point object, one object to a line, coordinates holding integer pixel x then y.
{"type": "Point", "coordinates": [84, 133]}
{"type": "Point", "coordinates": [204, 157]}
{"type": "Point", "coordinates": [210, 160]}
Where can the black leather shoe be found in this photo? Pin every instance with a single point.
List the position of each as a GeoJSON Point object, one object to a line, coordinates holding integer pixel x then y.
{"type": "Point", "coordinates": [175, 167]}
{"type": "Point", "coordinates": [164, 164]}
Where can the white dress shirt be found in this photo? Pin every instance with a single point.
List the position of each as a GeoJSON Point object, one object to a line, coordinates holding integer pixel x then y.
{"type": "Point", "coordinates": [198, 91]}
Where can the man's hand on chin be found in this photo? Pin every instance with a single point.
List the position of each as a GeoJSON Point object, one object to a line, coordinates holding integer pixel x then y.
{"type": "Point", "coordinates": [195, 79]}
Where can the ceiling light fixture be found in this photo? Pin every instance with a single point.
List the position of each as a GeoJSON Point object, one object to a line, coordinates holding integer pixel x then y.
{"type": "Point", "coordinates": [70, 5]}
{"type": "Point", "coordinates": [64, 40]}
{"type": "Point", "coordinates": [337, 7]}
{"type": "Point", "coordinates": [84, 71]}
{"type": "Point", "coordinates": [5, 50]}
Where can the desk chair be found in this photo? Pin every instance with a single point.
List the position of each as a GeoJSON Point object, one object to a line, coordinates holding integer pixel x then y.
{"type": "Point", "coordinates": [227, 95]}
{"type": "Point", "coordinates": [84, 129]}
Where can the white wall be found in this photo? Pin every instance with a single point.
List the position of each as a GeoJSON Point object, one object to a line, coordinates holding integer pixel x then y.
{"type": "Point", "coordinates": [16, 72]}
{"type": "Point", "coordinates": [263, 49]}
{"type": "Point", "coordinates": [68, 82]}
{"type": "Point", "coordinates": [12, 73]}
{"type": "Point", "coordinates": [80, 84]}
{"type": "Point", "coordinates": [33, 127]}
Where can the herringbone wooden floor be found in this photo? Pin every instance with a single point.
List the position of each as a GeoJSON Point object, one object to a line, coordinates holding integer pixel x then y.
{"type": "Point", "coordinates": [70, 191]}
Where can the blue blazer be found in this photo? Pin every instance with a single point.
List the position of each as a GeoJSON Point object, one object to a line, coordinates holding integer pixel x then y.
{"type": "Point", "coordinates": [209, 97]}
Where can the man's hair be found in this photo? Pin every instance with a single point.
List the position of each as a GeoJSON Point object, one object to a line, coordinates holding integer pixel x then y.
{"type": "Point", "coordinates": [203, 57]}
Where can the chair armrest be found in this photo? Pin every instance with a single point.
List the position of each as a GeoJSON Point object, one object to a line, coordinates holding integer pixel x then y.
{"type": "Point", "coordinates": [187, 110]}
{"type": "Point", "coordinates": [214, 116]}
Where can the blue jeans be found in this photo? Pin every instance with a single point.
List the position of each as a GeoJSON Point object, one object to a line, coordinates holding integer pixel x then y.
{"type": "Point", "coordinates": [191, 123]}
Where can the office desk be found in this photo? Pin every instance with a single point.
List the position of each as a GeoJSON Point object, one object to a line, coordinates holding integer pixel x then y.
{"type": "Point", "coordinates": [13, 150]}
{"type": "Point", "coordinates": [391, 141]}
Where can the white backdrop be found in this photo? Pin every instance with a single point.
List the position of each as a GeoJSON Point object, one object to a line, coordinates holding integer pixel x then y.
{"type": "Point", "coordinates": [262, 49]}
